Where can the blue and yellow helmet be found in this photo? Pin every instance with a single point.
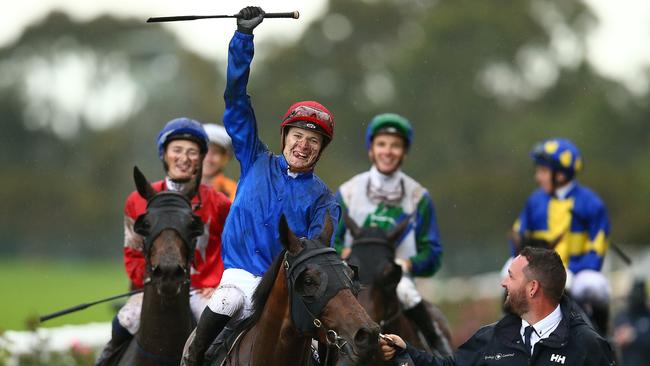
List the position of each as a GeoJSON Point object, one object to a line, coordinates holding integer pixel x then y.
{"type": "Point", "coordinates": [559, 154]}
{"type": "Point", "coordinates": [389, 123]}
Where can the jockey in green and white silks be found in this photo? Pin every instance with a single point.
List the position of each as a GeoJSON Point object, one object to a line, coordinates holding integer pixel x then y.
{"type": "Point", "coordinates": [385, 196]}
{"type": "Point", "coordinates": [373, 199]}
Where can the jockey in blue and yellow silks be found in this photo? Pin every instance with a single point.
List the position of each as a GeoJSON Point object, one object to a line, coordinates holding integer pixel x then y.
{"type": "Point", "coordinates": [566, 216]}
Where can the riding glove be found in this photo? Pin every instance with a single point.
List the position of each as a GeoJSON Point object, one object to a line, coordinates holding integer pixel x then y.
{"type": "Point", "coordinates": [250, 17]}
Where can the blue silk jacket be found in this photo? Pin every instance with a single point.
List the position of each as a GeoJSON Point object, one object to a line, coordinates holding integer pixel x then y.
{"type": "Point", "coordinates": [265, 191]}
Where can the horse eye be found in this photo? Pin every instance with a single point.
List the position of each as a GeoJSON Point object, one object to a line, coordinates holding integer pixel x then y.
{"type": "Point", "coordinates": [307, 285]}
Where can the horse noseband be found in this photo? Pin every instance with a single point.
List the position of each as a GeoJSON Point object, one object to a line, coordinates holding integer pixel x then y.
{"type": "Point", "coordinates": [333, 279]}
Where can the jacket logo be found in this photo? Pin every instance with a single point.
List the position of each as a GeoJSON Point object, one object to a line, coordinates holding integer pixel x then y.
{"type": "Point", "coordinates": [499, 356]}
{"type": "Point", "coordinates": [558, 358]}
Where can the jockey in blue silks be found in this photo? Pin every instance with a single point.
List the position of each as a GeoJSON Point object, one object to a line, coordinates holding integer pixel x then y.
{"type": "Point", "coordinates": [269, 186]}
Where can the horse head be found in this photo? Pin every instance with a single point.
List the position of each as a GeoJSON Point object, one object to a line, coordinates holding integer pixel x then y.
{"type": "Point", "coordinates": [170, 229]}
{"type": "Point", "coordinates": [373, 251]}
{"type": "Point", "coordinates": [322, 292]}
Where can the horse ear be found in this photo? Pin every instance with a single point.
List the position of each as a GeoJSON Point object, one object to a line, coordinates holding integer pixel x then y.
{"type": "Point", "coordinates": [142, 185]}
{"type": "Point", "coordinates": [288, 238]}
{"type": "Point", "coordinates": [197, 226]}
{"type": "Point", "coordinates": [394, 274]}
{"type": "Point", "coordinates": [355, 230]}
{"type": "Point", "coordinates": [396, 232]}
{"type": "Point", "coordinates": [325, 236]}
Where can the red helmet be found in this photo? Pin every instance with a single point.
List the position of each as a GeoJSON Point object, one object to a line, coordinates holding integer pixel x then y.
{"type": "Point", "coordinates": [310, 115]}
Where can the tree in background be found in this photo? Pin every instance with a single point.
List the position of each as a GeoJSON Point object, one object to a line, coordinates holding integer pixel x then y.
{"type": "Point", "coordinates": [480, 81]}
{"type": "Point", "coordinates": [80, 102]}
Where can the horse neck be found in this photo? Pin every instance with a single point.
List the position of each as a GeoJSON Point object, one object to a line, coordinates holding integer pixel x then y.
{"type": "Point", "coordinates": [165, 322]}
{"type": "Point", "coordinates": [276, 334]}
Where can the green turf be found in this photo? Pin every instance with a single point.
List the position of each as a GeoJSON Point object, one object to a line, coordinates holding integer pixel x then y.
{"type": "Point", "coordinates": [36, 287]}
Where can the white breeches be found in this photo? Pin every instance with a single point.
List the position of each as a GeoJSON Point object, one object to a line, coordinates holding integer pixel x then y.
{"type": "Point", "coordinates": [234, 295]}
{"type": "Point", "coordinates": [590, 284]}
{"type": "Point", "coordinates": [129, 314]}
{"type": "Point", "coordinates": [407, 293]}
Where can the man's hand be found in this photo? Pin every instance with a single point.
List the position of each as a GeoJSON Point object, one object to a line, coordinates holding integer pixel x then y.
{"type": "Point", "coordinates": [345, 253]}
{"type": "Point", "coordinates": [388, 344]}
{"type": "Point", "coordinates": [251, 17]}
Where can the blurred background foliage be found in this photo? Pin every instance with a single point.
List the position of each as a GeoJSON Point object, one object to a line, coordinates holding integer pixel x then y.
{"type": "Point", "coordinates": [82, 102]}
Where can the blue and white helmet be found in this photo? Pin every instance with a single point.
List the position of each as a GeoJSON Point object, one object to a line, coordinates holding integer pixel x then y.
{"type": "Point", "coordinates": [182, 129]}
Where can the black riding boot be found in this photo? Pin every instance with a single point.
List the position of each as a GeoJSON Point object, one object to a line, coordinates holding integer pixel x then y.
{"type": "Point", "coordinates": [420, 316]}
{"type": "Point", "coordinates": [119, 337]}
{"type": "Point", "coordinates": [208, 328]}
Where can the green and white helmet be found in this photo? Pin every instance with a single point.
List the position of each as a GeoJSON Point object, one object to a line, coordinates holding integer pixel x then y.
{"type": "Point", "coordinates": [389, 123]}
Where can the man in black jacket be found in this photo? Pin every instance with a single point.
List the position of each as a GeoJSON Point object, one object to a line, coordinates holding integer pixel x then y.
{"type": "Point", "coordinates": [543, 326]}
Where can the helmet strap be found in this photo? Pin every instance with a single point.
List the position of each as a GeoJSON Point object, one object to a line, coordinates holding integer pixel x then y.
{"type": "Point", "coordinates": [554, 183]}
{"type": "Point", "coordinates": [189, 187]}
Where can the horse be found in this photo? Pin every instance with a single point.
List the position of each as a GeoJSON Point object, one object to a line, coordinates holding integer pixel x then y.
{"type": "Point", "coordinates": [308, 292]}
{"type": "Point", "coordinates": [373, 252]}
{"type": "Point", "coordinates": [170, 229]}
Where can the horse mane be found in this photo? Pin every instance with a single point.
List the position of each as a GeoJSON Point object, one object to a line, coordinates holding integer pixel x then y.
{"type": "Point", "coordinates": [261, 294]}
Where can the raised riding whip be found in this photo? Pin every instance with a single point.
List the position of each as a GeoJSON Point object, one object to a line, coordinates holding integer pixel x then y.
{"type": "Point", "coordinates": [290, 15]}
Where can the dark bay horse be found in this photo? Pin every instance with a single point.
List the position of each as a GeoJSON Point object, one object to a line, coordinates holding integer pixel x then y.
{"type": "Point", "coordinates": [308, 292]}
{"type": "Point", "coordinates": [373, 252]}
{"type": "Point", "coordinates": [170, 230]}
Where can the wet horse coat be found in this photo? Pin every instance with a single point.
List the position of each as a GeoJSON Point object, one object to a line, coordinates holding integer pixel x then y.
{"type": "Point", "coordinates": [170, 229]}
{"type": "Point", "coordinates": [307, 293]}
{"type": "Point", "coordinates": [373, 251]}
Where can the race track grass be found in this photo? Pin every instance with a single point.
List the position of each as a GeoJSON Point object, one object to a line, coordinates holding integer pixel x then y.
{"type": "Point", "coordinates": [31, 288]}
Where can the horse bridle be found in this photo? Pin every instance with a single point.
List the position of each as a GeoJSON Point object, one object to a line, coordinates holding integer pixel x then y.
{"type": "Point", "coordinates": [386, 318]}
{"type": "Point", "coordinates": [169, 210]}
{"type": "Point", "coordinates": [332, 281]}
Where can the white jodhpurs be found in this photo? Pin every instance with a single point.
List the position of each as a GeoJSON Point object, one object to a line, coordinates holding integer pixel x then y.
{"type": "Point", "coordinates": [590, 284]}
{"type": "Point", "coordinates": [129, 314]}
{"type": "Point", "coordinates": [407, 293]}
{"type": "Point", "coordinates": [234, 295]}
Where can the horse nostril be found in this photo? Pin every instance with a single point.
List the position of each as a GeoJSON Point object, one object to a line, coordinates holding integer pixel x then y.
{"type": "Point", "coordinates": [180, 272]}
{"type": "Point", "coordinates": [157, 271]}
{"type": "Point", "coordinates": [365, 337]}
